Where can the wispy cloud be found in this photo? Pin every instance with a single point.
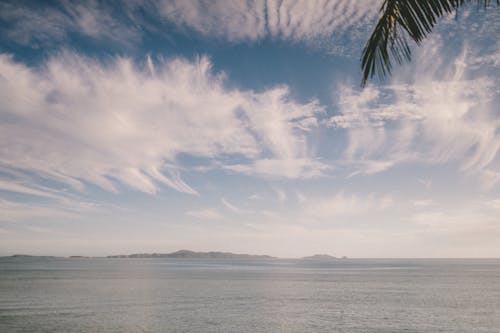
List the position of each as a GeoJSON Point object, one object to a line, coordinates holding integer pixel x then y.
{"type": "Point", "coordinates": [344, 205]}
{"type": "Point", "coordinates": [9, 186]}
{"type": "Point", "coordinates": [338, 26]}
{"type": "Point", "coordinates": [327, 23]}
{"type": "Point", "coordinates": [255, 196]}
{"type": "Point", "coordinates": [123, 137]}
{"type": "Point", "coordinates": [280, 194]}
{"type": "Point", "coordinates": [40, 23]}
{"type": "Point", "coordinates": [232, 207]}
{"type": "Point", "coordinates": [424, 203]}
{"type": "Point", "coordinates": [435, 119]}
{"type": "Point", "coordinates": [288, 168]}
{"type": "Point", "coordinates": [471, 219]}
{"type": "Point", "coordinates": [209, 214]}
{"type": "Point", "coordinates": [15, 211]}
{"type": "Point", "coordinates": [23, 199]}
{"type": "Point", "coordinates": [301, 198]}
{"type": "Point", "coordinates": [426, 183]}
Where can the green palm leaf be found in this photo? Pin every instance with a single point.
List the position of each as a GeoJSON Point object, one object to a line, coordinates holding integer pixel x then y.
{"type": "Point", "coordinates": [400, 20]}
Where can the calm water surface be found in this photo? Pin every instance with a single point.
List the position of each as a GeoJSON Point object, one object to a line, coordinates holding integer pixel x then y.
{"type": "Point", "coordinates": [172, 295]}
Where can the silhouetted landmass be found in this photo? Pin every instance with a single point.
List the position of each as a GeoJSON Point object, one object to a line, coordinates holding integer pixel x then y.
{"type": "Point", "coordinates": [320, 257]}
{"type": "Point", "coordinates": [27, 256]}
{"type": "Point", "coordinates": [183, 254]}
{"type": "Point", "coordinates": [193, 254]}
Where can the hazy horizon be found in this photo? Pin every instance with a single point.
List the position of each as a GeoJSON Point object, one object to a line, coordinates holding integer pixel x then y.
{"type": "Point", "coordinates": [154, 126]}
{"type": "Point", "coordinates": [337, 256]}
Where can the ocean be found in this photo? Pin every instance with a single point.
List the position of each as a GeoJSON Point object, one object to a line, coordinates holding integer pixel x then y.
{"type": "Point", "coordinates": [222, 295]}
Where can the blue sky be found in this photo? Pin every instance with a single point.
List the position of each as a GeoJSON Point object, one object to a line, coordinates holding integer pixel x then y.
{"type": "Point", "coordinates": [151, 126]}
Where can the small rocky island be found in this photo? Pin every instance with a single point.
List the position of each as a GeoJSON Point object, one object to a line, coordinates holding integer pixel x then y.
{"type": "Point", "coordinates": [194, 255]}
{"type": "Point", "coordinates": [322, 257]}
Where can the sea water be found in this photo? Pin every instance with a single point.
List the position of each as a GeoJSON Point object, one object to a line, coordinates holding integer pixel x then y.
{"type": "Point", "coordinates": [189, 295]}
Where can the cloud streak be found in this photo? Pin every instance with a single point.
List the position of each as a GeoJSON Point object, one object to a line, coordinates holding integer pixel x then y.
{"type": "Point", "coordinates": [37, 24]}
{"type": "Point", "coordinates": [77, 121]}
{"type": "Point", "coordinates": [205, 214]}
{"type": "Point", "coordinates": [342, 205]}
{"type": "Point", "coordinates": [442, 113]}
{"type": "Point", "coordinates": [323, 22]}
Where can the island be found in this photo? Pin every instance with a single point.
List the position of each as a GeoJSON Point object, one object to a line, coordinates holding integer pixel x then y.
{"type": "Point", "coordinates": [323, 257]}
{"type": "Point", "coordinates": [29, 256]}
{"type": "Point", "coordinates": [193, 255]}
{"type": "Point", "coordinates": [181, 254]}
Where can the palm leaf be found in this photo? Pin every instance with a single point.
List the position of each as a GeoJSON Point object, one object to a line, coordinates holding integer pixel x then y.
{"type": "Point", "coordinates": [400, 20]}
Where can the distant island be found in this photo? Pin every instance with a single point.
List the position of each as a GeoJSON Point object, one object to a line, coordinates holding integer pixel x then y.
{"type": "Point", "coordinates": [187, 254]}
{"type": "Point", "coordinates": [323, 257]}
{"type": "Point", "coordinates": [194, 255]}
{"type": "Point", "coordinates": [28, 256]}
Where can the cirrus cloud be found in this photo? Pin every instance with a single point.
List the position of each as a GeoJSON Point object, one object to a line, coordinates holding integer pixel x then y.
{"type": "Point", "coordinates": [444, 112]}
{"type": "Point", "coordinates": [77, 121]}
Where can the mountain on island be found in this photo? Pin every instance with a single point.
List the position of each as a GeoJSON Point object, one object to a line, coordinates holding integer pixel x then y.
{"type": "Point", "coordinates": [323, 257]}
{"type": "Point", "coordinates": [194, 255]}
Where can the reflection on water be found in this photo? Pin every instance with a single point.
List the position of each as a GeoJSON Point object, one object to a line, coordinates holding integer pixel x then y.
{"type": "Point", "coordinates": [187, 295]}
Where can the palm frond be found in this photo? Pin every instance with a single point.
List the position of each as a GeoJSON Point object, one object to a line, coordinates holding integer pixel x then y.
{"type": "Point", "coordinates": [399, 20]}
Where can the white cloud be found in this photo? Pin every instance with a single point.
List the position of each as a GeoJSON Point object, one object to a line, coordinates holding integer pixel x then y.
{"type": "Point", "coordinates": [256, 196]}
{"type": "Point", "coordinates": [340, 26]}
{"type": "Point", "coordinates": [76, 120]}
{"type": "Point", "coordinates": [471, 220]}
{"type": "Point", "coordinates": [493, 204]}
{"type": "Point", "coordinates": [427, 183]}
{"type": "Point", "coordinates": [289, 167]}
{"type": "Point", "coordinates": [232, 207]}
{"type": "Point", "coordinates": [209, 214]}
{"type": "Point", "coordinates": [446, 114]}
{"type": "Point", "coordinates": [32, 201]}
{"type": "Point", "coordinates": [39, 24]}
{"type": "Point", "coordinates": [424, 203]}
{"type": "Point", "coordinates": [324, 22]}
{"type": "Point", "coordinates": [9, 186]}
{"type": "Point", "coordinates": [342, 205]}
{"type": "Point", "coordinates": [301, 198]}
{"type": "Point", "coordinates": [489, 178]}
{"type": "Point", "coordinates": [280, 194]}
{"type": "Point", "coordinates": [464, 221]}
{"type": "Point", "coordinates": [14, 211]}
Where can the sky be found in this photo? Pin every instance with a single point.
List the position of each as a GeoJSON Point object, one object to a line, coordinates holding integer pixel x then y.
{"type": "Point", "coordinates": [153, 126]}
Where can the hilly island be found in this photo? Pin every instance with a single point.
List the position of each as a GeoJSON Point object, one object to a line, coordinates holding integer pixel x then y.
{"type": "Point", "coordinates": [194, 255]}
